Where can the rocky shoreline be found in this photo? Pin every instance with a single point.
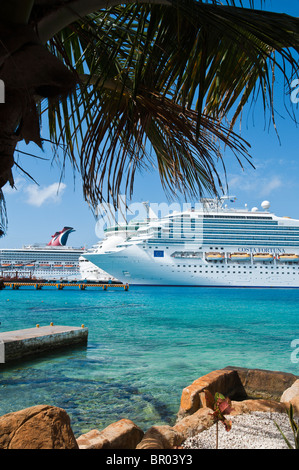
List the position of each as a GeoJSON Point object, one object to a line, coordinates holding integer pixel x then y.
{"type": "Point", "coordinates": [257, 396]}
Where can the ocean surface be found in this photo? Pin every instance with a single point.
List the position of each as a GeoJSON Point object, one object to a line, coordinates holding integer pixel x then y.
{"type": "Point", "coordinates": [144, 347]}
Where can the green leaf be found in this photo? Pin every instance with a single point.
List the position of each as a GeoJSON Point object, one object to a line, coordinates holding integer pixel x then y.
{"type": "Point", "coordinates": [284, 437]}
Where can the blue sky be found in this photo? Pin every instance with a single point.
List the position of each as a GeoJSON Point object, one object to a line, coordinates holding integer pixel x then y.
{"type": "Point", "coordinates": [35, 212]}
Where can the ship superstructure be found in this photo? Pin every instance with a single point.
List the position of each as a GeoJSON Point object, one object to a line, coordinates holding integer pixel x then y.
{"type": "Point", "coordinates": [212, 245]}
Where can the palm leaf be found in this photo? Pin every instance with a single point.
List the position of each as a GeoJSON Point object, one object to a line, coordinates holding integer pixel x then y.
{"type": "Point", "coordinates": [3, 214]}
{"type": "Point", "coordinates": [161, 79]}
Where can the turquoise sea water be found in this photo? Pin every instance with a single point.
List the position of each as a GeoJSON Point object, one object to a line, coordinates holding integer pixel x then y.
{"type": "Point", "coordinates": [144, 347]}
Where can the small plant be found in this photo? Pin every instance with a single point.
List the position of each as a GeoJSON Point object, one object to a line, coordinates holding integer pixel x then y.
{"type": "Point", "coordinates": [294, 427]}
{"type": "Point", "coordinates": [221, 407]}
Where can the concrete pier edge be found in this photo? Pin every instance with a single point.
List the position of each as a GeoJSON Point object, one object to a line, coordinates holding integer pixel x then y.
{"type": "Point", "coordinates": [24, 344]}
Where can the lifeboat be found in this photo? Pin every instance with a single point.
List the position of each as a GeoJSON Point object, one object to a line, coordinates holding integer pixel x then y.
{"type": "Point", "coordinates": [5, 265]}
{"type": "Point", "coordinates": [69, 266]}
{"type": "Point", "coordinates": [288, 257]}
{"type": "Point", "coordinates": [18, 265]}
{"type": "Point", "coordinates": [214, 256]}
{"type": "Point", "coordinates": [58, 266]}
{"type": "Point", "coordinates": [30, 265]}
{"type": "Point", "coordinates": [263, 257]}
{"type": "Point", "coordinates": [45, 265]}
{"type": "Point", "coordinates": [240, 256]}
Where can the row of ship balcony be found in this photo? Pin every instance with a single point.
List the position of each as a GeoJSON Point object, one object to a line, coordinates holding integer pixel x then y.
{"type": "Point", "coordinates": [38, 265]}
{"type": "Point", "coordinates": [220, 256]}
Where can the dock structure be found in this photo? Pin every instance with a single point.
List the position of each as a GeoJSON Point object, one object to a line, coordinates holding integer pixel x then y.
{"type": "Point", "coordinates": [22, 344]}
{"type": "Point", "coordinates": [60, 285]}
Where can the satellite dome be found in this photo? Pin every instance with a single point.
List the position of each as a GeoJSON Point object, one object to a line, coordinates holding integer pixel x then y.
{"type": "Point", "coordinates": [254, 209]}
{"type": "Point", "coordinates": [265, 205]}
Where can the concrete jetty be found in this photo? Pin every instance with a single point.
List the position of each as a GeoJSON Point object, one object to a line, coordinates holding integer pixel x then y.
{"type": "Point", "coordinates": [22, 344]}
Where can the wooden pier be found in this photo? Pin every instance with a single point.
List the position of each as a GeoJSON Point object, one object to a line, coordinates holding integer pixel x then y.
{"type": "Point", "coordinates": [60, 285]}
{"type": "Point", "coordinates": [22, 344]}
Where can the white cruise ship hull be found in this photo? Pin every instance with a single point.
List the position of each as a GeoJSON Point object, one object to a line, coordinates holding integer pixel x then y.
{"type": "Point", "coordinates": [136, 266]}
{"type": "Point", "coordinates": [212, 246]}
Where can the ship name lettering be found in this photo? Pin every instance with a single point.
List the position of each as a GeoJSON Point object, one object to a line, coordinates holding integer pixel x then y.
{"type": "Point", "coordinates": [261, 250]}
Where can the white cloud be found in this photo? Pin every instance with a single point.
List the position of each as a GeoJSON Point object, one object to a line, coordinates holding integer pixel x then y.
{"type": "Point", "coordinates": [255, 184]}
{"type": "Point", "coordinates": [270, 186]}
{"type": "Point", "coordinates": [37, 196]}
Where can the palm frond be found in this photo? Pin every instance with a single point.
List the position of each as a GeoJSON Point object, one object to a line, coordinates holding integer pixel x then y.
{"type": "Point", "coordinates": [163, 79]}
{"type": "Point", "coordinates": [3, 214]}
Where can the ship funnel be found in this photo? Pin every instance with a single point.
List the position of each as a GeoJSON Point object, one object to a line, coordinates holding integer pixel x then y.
{"type": "Point", "coordinates": [60, 238]}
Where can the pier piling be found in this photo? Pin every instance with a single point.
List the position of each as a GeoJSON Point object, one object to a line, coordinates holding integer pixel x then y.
{"type": "Point", "coordinates": [60, 285]}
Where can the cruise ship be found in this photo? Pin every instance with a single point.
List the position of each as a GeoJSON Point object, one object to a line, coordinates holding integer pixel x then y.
{"type": "Point", "coordinates": [213, 244]}
{"type": "Point", "coordinates": [91, 273]}
{"type": "Point", "coordinates": [50, 261]}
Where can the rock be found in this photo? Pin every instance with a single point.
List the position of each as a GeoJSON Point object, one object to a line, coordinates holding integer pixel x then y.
{"type": "Point", "coordinates": [291, 395]}
{"type": "Point", "coordinates": [261, 405]}
{"type": "Point", "coordinates": [191, 425]}
{"type": "Point", "coordinates": [122, 434]}
{"type": "Point", "coordinates": [160, 437]}
{"type": "Point", "coordinates": [223, 381]}
{"type": "Point", "coordinates": [295, 403]}
{"type": "Point", "coordinates": [37, 427]}
{"type": "Point", "coordinates": [290, 392]}
{"type": "Point", "coordinates": [260, 383]}
{"type": "Point", "coordinates": [166, 437]}
{"type": "Point", "coordinates": [238, 384]}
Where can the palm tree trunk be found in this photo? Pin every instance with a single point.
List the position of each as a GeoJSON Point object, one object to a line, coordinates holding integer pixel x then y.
{"type": "Point", "coordinates": [28, 71]}
{"type": "Point", "coordinates": [10, 115]}
{"type": "Point", "coordinates": [11, 12]}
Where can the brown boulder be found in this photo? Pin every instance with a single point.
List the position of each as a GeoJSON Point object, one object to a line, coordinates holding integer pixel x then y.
{"type": "Point", "coordinates": [193, 397]}
{"type": "Point", "coordinates": [291, 396]}
{"type": "Point", "coordinates": [250, 406]}
{"type": "Point", "coordinates": [122, 434]}
{"type": "Point", "coordinates": [267, 384]}
{"type": "Point", "coordinates": [37, 427]}
{"type": "Point", "coordinates": [197, 422]}
{"type": "Point", "coordinates": [290, 393]}
{"type": "Point", "coordinates": [160, 437]}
